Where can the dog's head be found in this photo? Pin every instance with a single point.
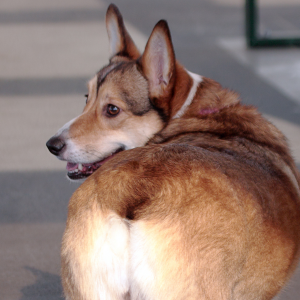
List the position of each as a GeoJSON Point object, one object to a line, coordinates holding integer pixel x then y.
{"type": "Point", "coordinates": [127, 100]}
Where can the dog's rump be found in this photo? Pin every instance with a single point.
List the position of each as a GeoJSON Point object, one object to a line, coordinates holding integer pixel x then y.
{"type": "Point", "coordinates": [182, 221]}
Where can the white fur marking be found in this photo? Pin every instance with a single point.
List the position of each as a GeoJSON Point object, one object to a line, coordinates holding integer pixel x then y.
{"type": "Point", "coordinates": [143, 278]}
{"type": "Point", "coordinates": [196, 80]}
{"type": "Point", "coordinates": [287, 170]}
{"type": "Point", "coordinates": [109, 260]}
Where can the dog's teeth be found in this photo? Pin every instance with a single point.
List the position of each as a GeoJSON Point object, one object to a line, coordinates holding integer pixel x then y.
{"type": "Point", "coordinates": [80, 167]}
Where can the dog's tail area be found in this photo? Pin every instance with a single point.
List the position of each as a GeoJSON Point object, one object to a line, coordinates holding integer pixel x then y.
{"type": "Point", "coordinates": [95, 255]}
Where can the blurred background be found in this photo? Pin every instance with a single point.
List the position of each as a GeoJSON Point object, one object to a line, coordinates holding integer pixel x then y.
{"type": "Point", "coordinates": [49, 50]}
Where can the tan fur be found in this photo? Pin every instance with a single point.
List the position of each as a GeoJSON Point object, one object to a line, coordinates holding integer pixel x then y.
{"type": "Point", "coordinates": [204, 206]}
{"type": "Point", "coordinates": [93, 130]}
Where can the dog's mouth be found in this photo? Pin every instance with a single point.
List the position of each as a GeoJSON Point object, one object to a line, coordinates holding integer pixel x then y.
{"type": "Point", "coordinates": [81, 170]}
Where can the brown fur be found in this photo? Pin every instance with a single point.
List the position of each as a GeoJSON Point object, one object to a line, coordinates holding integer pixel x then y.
{"type": "Point", "coordinates": [209, 208]}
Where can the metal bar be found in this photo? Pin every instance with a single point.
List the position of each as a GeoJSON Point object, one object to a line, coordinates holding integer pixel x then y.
{"type": "Point", "coordinates": [253, 40]}
{"type": "Point", "coordinates": [283, 42]}
{"type": "Point", "coordinates": [251, 21]}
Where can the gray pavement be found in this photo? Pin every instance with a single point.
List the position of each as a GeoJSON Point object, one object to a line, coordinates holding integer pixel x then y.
{"type": "Point", "coordinates": [48, 51]}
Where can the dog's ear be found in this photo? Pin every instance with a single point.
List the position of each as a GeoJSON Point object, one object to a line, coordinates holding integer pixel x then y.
{"type": "Point", "coordinates": [158, 61]}
{"type": "Point", "coordinates": [119, 39]}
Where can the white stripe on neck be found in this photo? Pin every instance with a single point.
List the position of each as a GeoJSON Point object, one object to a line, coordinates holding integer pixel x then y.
{"type": "Point", "coordinates": [196, 80]}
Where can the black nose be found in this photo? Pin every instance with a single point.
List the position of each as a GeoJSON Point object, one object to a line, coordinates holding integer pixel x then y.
{"type": "Point", "coordinates": [55, 145]}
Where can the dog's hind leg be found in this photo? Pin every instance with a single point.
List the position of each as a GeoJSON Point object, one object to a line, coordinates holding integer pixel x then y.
{"type": "Point", "coordinates": [95, 254]}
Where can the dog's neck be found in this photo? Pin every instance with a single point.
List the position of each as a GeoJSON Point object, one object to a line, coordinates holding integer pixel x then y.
{"type": "Point", "coordinates": [198, 96]}
{"type": "Point", "coordinates": [196, 80]}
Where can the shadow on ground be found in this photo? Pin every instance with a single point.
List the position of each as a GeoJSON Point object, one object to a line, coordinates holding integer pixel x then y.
{"type": "Point", "coordinates": [47, 287]}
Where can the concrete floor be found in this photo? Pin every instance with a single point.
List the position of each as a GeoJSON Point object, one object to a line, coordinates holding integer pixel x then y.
{"type": "Point", "coordinates": [48, 51]}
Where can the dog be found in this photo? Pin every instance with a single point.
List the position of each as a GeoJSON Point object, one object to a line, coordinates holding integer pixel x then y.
{"type": "Point", "coordinates": [188, 193]}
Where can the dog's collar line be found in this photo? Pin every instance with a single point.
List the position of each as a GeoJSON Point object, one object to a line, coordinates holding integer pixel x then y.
{"type": "Point", "coordinates": [196, 80]}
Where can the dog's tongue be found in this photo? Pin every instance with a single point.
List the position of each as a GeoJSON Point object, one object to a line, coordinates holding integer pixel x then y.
{"type": "Point", "coordinates": [84, 167]}
{"type": "Point", "coordinates": [71, 166]}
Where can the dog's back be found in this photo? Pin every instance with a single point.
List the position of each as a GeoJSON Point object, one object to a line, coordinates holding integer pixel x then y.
{"type": "Point", "coordinates": [191, 217]}
{"type": "Point", "coordinates": [209, 208]}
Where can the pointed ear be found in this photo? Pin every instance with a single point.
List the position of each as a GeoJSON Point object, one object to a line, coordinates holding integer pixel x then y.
{"type": "Point", "coordinates": [119, 39]}
{"type": "Point", "coordinates": [158, 61]}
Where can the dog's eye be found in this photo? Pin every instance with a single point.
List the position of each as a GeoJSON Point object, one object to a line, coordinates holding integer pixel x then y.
{"type": "Point", "coordinates": [112, 110]}
{"type": "Point", "coordinates": [86, 96]}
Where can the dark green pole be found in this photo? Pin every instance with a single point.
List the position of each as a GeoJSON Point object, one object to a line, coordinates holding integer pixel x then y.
{"type": "Point", "coordinates": [251, 21]}
{"type": "Point", "coordinates": [252, 37]}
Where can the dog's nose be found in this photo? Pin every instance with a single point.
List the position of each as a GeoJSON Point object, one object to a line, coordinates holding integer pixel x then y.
{"type": "Point", "coordinates": [55, 145]}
